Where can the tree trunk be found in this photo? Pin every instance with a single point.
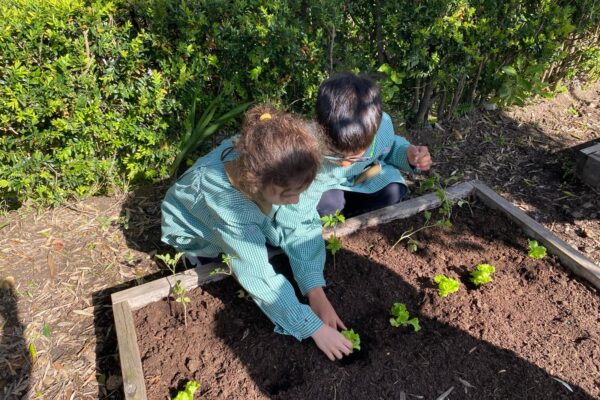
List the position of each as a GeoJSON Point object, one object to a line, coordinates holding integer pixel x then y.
{"type": "Point", "coordinates": [378, 33]}
{"type": "Point", "coordinates": [476, 81]}
{"type": "Point", "coordinates": [425, 103]}
{"type": "Point", "coordinates": [457, 95]}
{"type": "Point", "coordinates": [332, 42]}
{"type": "Point", "coordinates": [441, 111]}
{"type": "Point", "coordinates": [416, 97]}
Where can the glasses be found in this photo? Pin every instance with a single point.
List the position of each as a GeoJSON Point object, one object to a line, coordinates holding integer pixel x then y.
{"type": "Point", "coordinates": [354, 159]}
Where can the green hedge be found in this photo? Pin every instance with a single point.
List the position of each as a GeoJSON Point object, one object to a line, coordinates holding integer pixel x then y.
{"type": "Point", "coordinates": [80, 106]}
{"type": "Point", "coordinates": [95, 94]}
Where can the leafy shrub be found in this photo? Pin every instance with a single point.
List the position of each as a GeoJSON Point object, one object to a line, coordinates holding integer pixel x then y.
{"type": "Point", "coordinates": [95, 94]}
{"type": "Point", "coordinates": [81, 109]}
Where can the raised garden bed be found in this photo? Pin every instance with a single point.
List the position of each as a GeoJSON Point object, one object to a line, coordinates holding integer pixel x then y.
{"type": "Point", "coordinates": [588, 165]}
{"type": "Point", "coordinates": [534, 326]}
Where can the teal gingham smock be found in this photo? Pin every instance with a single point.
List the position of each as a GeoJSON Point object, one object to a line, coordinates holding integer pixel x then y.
{"type": "Point", "coordinates": [203, 215]}
{"type": "Point", "coordinates": [390, 153]}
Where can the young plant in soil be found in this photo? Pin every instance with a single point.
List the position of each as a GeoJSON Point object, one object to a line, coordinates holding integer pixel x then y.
{"type": "Point", "coordinates": [334, 244]}
{"type": "Point", "coordinates": [401, 317]}
{"type": "Point", "coordinates": [536, 250]}
{"type": "Point", "coordinates": [353, 337]}
{"type": "Point", "coordinates": [446, 285]}
{"type": "Point", "coordinates": [178, 290]}
{"type": "Point", "coordinates": [482, 274]}
{"type": "Point", "coordinates": [227, 260]}
{"type": "Point", "coordinates": [438, 185]}
{"type": "Point", "coordinates": [188, 393]}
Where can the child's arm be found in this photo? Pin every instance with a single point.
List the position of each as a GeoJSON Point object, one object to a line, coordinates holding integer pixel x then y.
{"type": "Point", "coordinates": [271, 291]}
{"type": "Point", "coordinates": [275, 296]}
{"type": "Point", "coordinates": [402, 154]}
{"type": "Point", "coordinates": [303, 243]}
{"type": "Point", "coordinates": [322, 307]}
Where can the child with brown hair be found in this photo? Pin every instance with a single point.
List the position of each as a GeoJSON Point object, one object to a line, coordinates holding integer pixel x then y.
{"type": "Point", "coordinates": [231, 202]}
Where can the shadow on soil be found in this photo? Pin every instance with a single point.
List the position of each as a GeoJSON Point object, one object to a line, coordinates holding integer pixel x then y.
{"type": "Point", "coordinates": [390, 362]}
{"type": "Point", "coordinates": [15, 363]}
{"type": "Point", "coordinates": [141, 216]}
{"type": "Point", "coordinates": [533, 166]}
{"type": "Point", "coordinates": [108, 364]}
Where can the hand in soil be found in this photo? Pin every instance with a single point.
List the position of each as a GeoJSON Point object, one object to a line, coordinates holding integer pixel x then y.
{"type": "Point", "coordinates": [332, 343]}
{"type": "Point", "coordinates": [419, 157]}
{"type": "Point", "coordinates": [323, 308]}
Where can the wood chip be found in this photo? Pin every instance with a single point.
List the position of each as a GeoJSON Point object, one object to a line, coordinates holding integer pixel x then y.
{"type": "Point", "coordinates": [445, 394]}
{"type": "Point", "coordinates": [465, 383]}
{"type": "Point", "coordinates": [565, 384]}
{"type": "Point", "coordinates": [88, 312]}
{"type": "Point", "coordinates": [51, 266]}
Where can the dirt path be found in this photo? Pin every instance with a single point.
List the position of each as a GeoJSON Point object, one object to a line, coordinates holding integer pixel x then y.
{"type": "Point", "coordinates": [58, 267]}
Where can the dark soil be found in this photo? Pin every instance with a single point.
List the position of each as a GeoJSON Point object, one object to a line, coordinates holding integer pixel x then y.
{"type": "Point", "coordinates": [506, 340]}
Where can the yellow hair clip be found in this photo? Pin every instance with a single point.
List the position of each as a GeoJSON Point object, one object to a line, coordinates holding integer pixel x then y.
{"type": "Point", "coordinates": [265, 117]}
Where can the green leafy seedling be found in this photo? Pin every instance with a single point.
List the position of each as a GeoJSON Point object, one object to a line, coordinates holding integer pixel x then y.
{"type": "Point", "coordinates": [446, 285]}
{"type": "Point", "coordinates": [353, 337]}
{"type": "Point", "coordinates": [227, 260]}
{"type": "Point", "coordinates": [444, 214]}
{"type": "Point", "coordinates": [332, 220]}
{"type": "Point", "coordinates": [188, 393]}
{"type": "Point", "coordinates": [413, 245]}
{"type": "Point", "coordinates": [178, 290]}
{"type": "Point", "coordinates": [334, 244]}
{"type": "Point", "coordinates": [401, 317]}
{"type": "Point", "coordinates": [482, 274]}
{"type": "Point", "coordinates": [535, 250]}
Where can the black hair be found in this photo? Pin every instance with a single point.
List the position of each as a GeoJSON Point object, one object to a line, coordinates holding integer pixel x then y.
{"type": "Point", "coordinates": [349, 109]}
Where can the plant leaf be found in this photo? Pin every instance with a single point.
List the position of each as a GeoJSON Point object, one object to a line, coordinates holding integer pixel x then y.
{"type": "Point", "coordinates": [352, 337]}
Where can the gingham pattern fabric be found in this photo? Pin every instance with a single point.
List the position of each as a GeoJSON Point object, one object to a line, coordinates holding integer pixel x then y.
{"type": "Point", "coordinates": [390, 153]}
{"type": "Point", "coordinates": [203, 215]}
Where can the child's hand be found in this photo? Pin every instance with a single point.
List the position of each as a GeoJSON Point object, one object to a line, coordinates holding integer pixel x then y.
{"type": "Point", "coordinates": [323, 308]}
{"type": "Point", "coordinates": [419, 157]}
{"type": "Point", "coordinates": [332, 343]}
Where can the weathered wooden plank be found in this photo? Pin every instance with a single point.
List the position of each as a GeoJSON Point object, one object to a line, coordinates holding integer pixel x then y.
{"type": "Point", "coordinates": [590, 173]}
{"type": "Point", "coordinates": [134, 384]}
{"type": "Point", "coordinates": [571, 258]}
{"type": "Point", "coordinates": [401, 210]}
{"type": "Point", "coordinates": [139, 296]}
{"type": "Point", "coordinates": [592, 149]}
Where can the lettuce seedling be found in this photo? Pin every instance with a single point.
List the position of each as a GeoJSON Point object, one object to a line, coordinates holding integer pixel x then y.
{"type": "Point", "coordinates": [402, 317]}
{"type": "Point", "coordinates": [446, 285]}
{"type": "Point", "coordinates": [353, 337]}
{"type": "Point", "coordinates": [188, 393]}
{"type": "Point", "coordinates": [482, 274]}
{"type": "Point", "coordinates": [535, 250]}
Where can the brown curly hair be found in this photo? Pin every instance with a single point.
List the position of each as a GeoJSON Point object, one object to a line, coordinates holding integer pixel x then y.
{"type": "Point", "coordinates": [278, 149]}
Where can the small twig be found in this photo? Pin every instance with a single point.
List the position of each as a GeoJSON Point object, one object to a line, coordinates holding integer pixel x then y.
{"type": "Point", "coordinates": [87, 51]}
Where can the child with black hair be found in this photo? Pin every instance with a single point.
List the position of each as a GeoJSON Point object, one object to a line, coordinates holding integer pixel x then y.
{"type": "Point", "coordinates": [232, 201]}
{"type": "Point", "coordinates": [364, 157]}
